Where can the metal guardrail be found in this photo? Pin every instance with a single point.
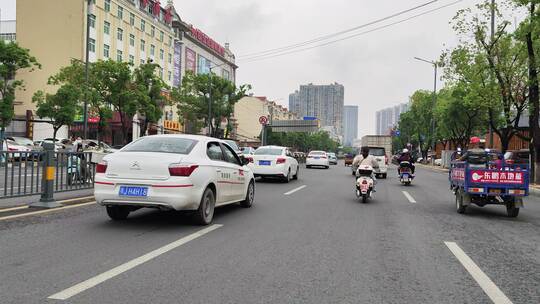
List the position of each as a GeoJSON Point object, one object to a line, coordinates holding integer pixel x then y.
{"type": "Point", "coordinates": [26, 173]}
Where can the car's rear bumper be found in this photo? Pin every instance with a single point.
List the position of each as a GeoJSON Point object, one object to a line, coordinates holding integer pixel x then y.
{"type": "Point", "coordinates": [277, 170]}
{"type": "Point", "coordinates": [176, 196]}
{"type": "Point", "coordinates": [317, 162]}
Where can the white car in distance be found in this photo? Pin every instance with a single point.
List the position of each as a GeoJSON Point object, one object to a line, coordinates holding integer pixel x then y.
{"type": "Point", "coordinates": [173, 172]}
{"type": "Point", "coordinates": [274, 162]}
{"type": "Point", "coordinates": [317, 159]}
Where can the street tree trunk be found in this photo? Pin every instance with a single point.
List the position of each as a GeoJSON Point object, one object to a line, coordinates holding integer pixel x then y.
{"type": "Point", "coordinates": [534, 102]}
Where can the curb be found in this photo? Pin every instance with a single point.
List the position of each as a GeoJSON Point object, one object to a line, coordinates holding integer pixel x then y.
{"type": "Point", "coordinates": [66, 202]}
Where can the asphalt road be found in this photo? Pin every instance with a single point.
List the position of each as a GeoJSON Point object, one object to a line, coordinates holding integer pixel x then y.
{"type": "Point", "coordinates": [318, 244]}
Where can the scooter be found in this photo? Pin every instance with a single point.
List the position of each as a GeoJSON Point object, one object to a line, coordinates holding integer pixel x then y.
{"type": "Point", "coordinates": [405, 173]}
{"type": "Point", "coordinates": [364, 183]}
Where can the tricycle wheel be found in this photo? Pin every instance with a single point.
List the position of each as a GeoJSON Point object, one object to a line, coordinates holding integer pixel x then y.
{"type": "Point", "coordinates": [512, 210]}
{"type": "Point", "coordinates": [459, 203]}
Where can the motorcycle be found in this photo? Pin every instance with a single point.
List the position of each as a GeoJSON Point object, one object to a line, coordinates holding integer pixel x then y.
{"type": "Point", "coordinates": [364, 183]}
{"type": "Point", "coordinates": [405, 173]}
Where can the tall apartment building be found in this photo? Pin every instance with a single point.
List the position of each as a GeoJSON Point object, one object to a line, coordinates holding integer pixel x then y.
{"type": "Point", "coordinates": [134, 31]}
{"type": "Point", "coordinates": [388, 118]}
{"type": "Point", "coordinates": [322, 101]}
{"type": "Point", "coordinates": [350, 124]}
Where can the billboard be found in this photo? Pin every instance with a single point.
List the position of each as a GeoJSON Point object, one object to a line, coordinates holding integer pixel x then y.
{"type": "Point", "coordinates": [203, 66]}
{"type": "Point", "coordinates": [177, 75]}
{"type": "Point", "coordinates": [295, 126]}
{"type": "Point", "coordinates": [191, 60]}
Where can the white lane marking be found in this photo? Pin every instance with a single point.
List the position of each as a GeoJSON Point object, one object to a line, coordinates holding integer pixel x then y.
{"type": "Point", "coordinates": [44, 211]}
{"type": "Point", "coordinates": [409, 197]}
{"type": "Point", "coordinates": [493, 292]}
{"type": "Point", "coordinates": [13, 208]}
{"type": "Point", "coordinates": [294, 190]}
{"type": "Point", "coordinates": [78, 288]}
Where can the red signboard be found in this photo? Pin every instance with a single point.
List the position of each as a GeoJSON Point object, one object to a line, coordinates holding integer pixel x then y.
{"type": "Point", "coordinates": [497, 177]}
{"type": "Point", "coordinates": [209, 42]}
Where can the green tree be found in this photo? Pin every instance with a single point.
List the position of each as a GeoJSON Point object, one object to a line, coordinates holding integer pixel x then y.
{"type": "Point", "coordinates": [192, 99]}
{"type": "Point", "coordinates": [112, 82]}
{"type": "Point", "coordinates": [60, 108]}
{"type": "Point", "coordinates": [150, 101]}
{"type": "Point", "coordinates": [12, 59]}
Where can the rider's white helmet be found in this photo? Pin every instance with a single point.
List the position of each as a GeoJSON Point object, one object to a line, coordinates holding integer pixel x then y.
{"type": "Point", "coordinates": [405, 150]}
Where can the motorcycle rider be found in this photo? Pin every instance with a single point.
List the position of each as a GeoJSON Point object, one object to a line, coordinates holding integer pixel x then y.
{"type": "Point", "coordinates": [406, 157]}
{"type": "Point", "coordinates": [365, 159]}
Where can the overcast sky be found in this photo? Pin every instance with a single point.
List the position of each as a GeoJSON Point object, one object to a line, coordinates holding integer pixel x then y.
{"type": "Point", "coordinates": [377, 69]}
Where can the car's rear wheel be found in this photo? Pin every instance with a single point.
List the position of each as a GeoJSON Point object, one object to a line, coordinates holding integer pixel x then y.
{"type": "Point", "coordinates": [205, 213]}
{"type": "Point", "coordinates": [459, 203]}
{"type": "Point", "coordinates": [295, 177]}
{"type": "Point", "coordinates": [287, 177]}
{"type": "Point", "coordinates": [250, 196]}
{"type": "Point", "coordinates": [118, 213]}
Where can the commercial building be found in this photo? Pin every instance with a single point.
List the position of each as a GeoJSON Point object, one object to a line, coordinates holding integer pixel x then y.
{"type": "Point", "coordinates": [350, 124]}
{"type": "Point", "coordinates": [247, 112]}
{"type": "Point", "coordinates": [135, 31]}
{"type": "Point", "coordinates": [8, 30]}
{"type": "Point", "coordinates": [387, 119]}
{"type": "Point", "coordinates": [324, 102]}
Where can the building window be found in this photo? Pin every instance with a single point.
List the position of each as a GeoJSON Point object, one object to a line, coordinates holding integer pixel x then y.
{"type": "Point", "coordinates": [131, 19]}
{"type": "Point", "coordinates": [152, 31]}
{"type": "Point", "coordinates": [161, 54]}
{"type": "Point", "coordinates": [170, 58]}
{"type": "Point", "coordinates": [169, 75]}
{"type": "Point", "coordinates": [131, 39]}
{"type": "Point", "coordinates": [92, 21]}
{"type": "Point", "coordinates": [120, 34]}
{"type": "Point", "coordinates": [92, 45]}
{"type": "Point", "coordinates": [106, 51]}
{"type": "Point", "coordinates": [152, 50]}
{"type": "Point", "coordinates": [119, 56]}
{"type": "Point", "coordinates": [107, 5]}
{"type": "Point", "coordinates": [161, 73]}
{"type": "Point", "coordinates": [106, 28]}
{"type": "Point", "coordinates": [142, 61]}
{"type": "Point", "coordinates": [161, 36]}
{"type": "Point", "coordinates": [170, 40]}
{"type": "Point", "coordinates": [131, 59]}
{"type": "Point", "coordinates": [142, 45]}
{"type": "Point", "coordinates": [143, 25]}
{"type": "Point", "coordinates": [120, 13]}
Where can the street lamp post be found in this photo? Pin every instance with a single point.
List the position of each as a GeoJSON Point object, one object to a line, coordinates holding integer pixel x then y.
{"type": "Point", "coordinates": [89, 10]}
{"type": "Point", "coordinates": [434, 63]}
{"type": "Point", "coordinates": [210, 97]}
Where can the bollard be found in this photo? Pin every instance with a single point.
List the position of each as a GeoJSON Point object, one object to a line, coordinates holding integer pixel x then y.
{"type": "Point", "coordinates": [47, 181]}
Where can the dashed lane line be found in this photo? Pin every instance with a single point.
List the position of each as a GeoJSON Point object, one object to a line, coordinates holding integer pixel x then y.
{"type": "Point", "coordinates": [78, 288]}
{"type": "Point", "coordinates": [493, 292]}
{"type": "Point", "coordinates": [294, 190]}
{"type": "Point", "coordinates": [409, 197]}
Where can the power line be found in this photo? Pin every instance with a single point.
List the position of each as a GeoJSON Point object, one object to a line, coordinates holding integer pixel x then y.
{"type": "Point", "coordinates": [279, 54]}
{"type": "Point", "coordinates": [328, 36]}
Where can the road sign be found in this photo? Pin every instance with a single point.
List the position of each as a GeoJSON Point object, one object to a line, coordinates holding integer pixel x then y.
{"type": "Point", "coordinates": [398, 133]}
{"type": "Point", "coordinates": [263, 120]}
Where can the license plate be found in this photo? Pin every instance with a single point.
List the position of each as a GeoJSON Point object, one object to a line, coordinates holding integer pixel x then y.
{"type": "Point", "coordinates": [317, 157]}
{"type": "Point", "coordinates": [133, 191]}
{"type": "Point", "coordinates": [265, 163]}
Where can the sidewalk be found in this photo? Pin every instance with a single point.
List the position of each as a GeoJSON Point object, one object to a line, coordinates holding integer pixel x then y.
{"type": "Point", "coordinates": [534, 189]}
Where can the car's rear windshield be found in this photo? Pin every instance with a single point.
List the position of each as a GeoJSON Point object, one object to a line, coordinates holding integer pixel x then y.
{"type": "Point", "coordinates": [268, 151]}
{"type": "Point", "coordinates": [376, 151]}
{"type": "Point", "coordinates": [161, 145]}
{"type": "Point", "coordinates": [317, 153]}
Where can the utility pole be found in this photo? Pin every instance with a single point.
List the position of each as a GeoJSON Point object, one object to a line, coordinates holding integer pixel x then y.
{"type": "Point", "coordinates": [435, 66]}
{"type": "Point", "coordinates": [492, 39]}
{"type": "Point", "coordinates": [89, 10]}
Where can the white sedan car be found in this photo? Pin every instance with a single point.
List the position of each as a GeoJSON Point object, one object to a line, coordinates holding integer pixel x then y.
{"type": "Point", "coordinates": [173, 172]}
{"type": "Point", "coordinates": [274, 162]}
{"type": "Point", "coordinates": [317, 159]}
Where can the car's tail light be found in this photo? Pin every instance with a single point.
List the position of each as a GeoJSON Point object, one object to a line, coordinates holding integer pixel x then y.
{"type": "Point", "coordinates": [181, 169]}
{"type": "Point", "coordinates": [323, 157]}
{"type": "Point", "coordinates": [101, 167]}
{"type": "Point", "coordinates": [12, 149]}
{"type": "Point", "coordinates": [280, 161]}
{"type": "Point", "coordinates": [250, 159]}
{"type": "Point", "coordinates": [309, 156]}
